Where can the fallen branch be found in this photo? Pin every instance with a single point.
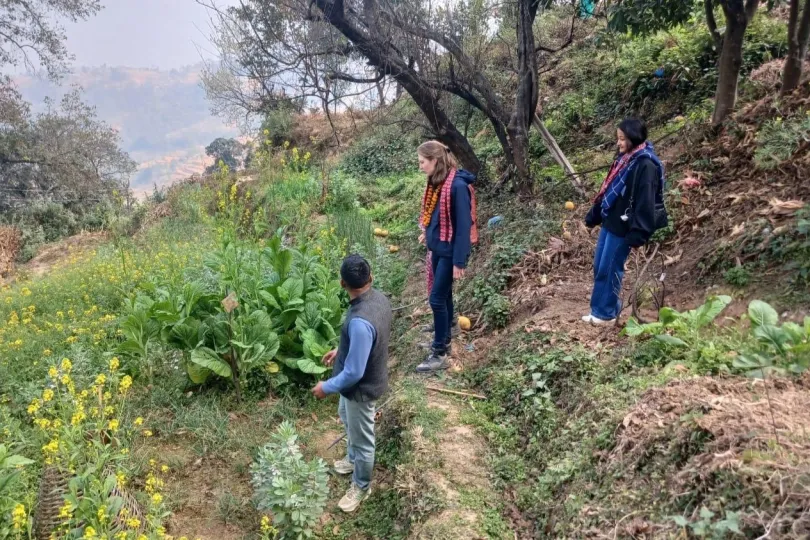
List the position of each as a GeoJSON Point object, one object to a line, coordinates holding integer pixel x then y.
{"type": "Point", "coordinates": [455, 392]}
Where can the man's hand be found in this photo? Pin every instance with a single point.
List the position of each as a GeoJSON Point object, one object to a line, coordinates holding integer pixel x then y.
{"type": "Point", "coordinates": [458, 273]}
{"type": "Point", "coordinates": [422, 239]}
{"type": "Point", "coordinates": [329, 357]}
{"type": "Point", "coordinates": [318, 391]}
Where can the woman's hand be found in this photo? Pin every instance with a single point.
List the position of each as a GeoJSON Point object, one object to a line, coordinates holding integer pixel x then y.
{"type": "Point", "coordinates": [422, 239]}
{"type": "Point", "coordinates": [458, 273]}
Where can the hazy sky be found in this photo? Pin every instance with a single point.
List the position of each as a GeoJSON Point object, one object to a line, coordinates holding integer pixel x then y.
{"type": "Point", "coordinates": [143, 33]}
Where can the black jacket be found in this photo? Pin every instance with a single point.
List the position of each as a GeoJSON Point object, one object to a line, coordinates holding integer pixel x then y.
{"type": "Point", "coordinates": [644, 187]}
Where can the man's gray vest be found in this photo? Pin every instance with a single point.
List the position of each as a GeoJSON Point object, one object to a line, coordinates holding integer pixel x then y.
{"type": "Point", "coordinates": [375, 308]}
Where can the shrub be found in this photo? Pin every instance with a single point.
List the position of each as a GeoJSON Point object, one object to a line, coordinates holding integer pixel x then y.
{"type": "Point", "coordinates": [292, 489]}
{"type": "Point", "coordinates": [342, 192]}
{"type": "Point", "coordinates": [739, 276]}
{"type": "Point", "coordinates": [384, 152]}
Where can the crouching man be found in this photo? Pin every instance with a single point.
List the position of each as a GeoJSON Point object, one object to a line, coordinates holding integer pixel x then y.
{"type": "Point", "coordinates": [360, 374]}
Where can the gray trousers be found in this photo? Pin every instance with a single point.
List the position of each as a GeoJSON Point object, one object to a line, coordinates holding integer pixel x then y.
{"type": "Point", "coordinates": [358, 418]}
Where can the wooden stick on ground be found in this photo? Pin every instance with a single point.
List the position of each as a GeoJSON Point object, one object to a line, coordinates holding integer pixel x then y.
{"type": "Point", "coordinates": [455, 392]}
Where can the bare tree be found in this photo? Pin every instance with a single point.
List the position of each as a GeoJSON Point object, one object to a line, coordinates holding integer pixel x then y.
{"type": "Point", "coordinates": [336, 51]}
{"type": "Point", "coordinates": [29, 35]}
{"type": "Point", "coordinates": [798, 37]}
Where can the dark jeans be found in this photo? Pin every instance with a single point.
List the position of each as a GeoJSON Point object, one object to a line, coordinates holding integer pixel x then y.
{"type": "Point", "coordinates": [608, 272]}
{"type": "Point", "coordinates": [441, 301]}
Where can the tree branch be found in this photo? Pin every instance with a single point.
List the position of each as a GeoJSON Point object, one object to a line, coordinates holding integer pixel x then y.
{"type": "Point", "coordinates": [711, 22]}
{"type": "Point", "coordinates": [567, 42]}
{"type": "Point", "coordinates": [357, 80]}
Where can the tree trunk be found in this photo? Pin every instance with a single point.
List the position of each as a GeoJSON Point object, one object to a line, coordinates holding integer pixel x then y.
{"type": "Point", "coordinates": [729, 64]}
{"type": "Point", "coordinates": [798, 35]}
{"type": "Point", "coordinates": [526, 96]}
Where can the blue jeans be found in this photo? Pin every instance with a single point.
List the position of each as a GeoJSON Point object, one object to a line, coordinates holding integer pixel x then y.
{"type": "Point", "coordinates": [358, 419]}
{"type": "Point", "coordinates": [441, 301]}
{"type": "Point", "coordinates": [608, 270]}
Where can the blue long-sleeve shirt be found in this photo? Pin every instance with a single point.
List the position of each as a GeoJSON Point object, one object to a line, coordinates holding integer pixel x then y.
{"type": "Point", "coordinates": [361, 339]}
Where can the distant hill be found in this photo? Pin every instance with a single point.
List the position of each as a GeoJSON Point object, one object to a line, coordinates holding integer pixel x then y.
{"type": "Point", "coordinates": [162, 116]}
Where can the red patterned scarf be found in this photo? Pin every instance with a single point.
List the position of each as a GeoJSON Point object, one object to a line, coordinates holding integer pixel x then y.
{"type": "Point", "coordinates": [445, 223]}
{"type": "Point", "coordinates": [617, 167]}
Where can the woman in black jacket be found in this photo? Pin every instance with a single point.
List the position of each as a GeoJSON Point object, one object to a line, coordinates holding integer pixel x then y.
{"type": "Point", "coordinates": [630, 208]}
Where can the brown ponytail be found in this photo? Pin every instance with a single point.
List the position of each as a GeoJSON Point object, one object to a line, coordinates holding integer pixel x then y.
{"type": "Point", "coordinates": [445, 160]}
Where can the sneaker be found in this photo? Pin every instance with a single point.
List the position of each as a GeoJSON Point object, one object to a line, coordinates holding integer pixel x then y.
{"type": "Point", "coordinates": [344, 466]}
{"type": "Point", "coordinates": [353, 498]}
{"type": "Point", "coordinates": [434, 362]}
{"type": "Point", "coordinates": [590, 319]}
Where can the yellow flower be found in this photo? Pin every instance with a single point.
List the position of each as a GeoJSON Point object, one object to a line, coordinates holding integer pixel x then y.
{"type": "Point", "coordinates": [101, 379]}
{"type": "Point", "coordinates": [138, 421]}
{"type": "Point", "coordinates": [47, 395]}
{"type": "Point", "coordinates": [113, 425]}
{"type": "Point", "coordinates": [43, 423]}
{"type": "Point", "coordinates": [121, 478]}
{"type": "Point", "coordinates": [164, 468]}
{"type": "Point", "coordinates": [66, 512]}
{"type": "Point", "coordinates": [157, 498]}
{"type": "Point", "coordinates": [147, 433]}
{"type": "Point", "coordinates": [133, 523]}
{"type": "Point", "coordinates": [114, 363]}
{"type": "Point", "coordinates": [65, 379]}
{"type": "Point", "coordinates": [102, 514]}
{"type": "Point", "coordinates": [47, 352]}
{"type": "Point", "coordinates": [70, 340]}
{"type": "Point", "coordinates": [66, 365]}
{"type": "Point", "coordinates": [25, 291]}
{"type": "Point", "coordinates": [90, 532]}
{"type": "Point", "coordinates": [53, 373]}
{"type": "Point", "coordinates": [34, 406]}
{"type": "Point", "coordinates": [125, 384]}
{"type": "Point", "coordinates": [19, 517]}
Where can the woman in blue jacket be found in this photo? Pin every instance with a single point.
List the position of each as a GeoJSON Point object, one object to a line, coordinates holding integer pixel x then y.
{"type": "Point", "coordinates": [630, 208]}
{"type": "Point", "coordinates": [448, 230]}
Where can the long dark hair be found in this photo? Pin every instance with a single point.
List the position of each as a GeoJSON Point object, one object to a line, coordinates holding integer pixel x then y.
{"type": "Point", "coordinates": [635, 130]}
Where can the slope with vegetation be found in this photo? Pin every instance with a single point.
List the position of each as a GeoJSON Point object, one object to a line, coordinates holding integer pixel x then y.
{"type": "Point", "coordinates": [157, 384]}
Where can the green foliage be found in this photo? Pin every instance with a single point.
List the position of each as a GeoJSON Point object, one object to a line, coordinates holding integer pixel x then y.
{"type": "Point", "coordinates": [496, 310]}
{"type": "Point", "coordinates": [708, 527]}
{"type": "Point", "coordinates": [780, 349]}
{"type": "Point", "coordinates": [13, 516]}
{"type": "Point", "coordinates": [292, 489]}
{"type": "Point", "coordinates": [278, 124]}
{"type": "Point", "coordinates": [342, 195]}
{"type": "Point", "coordinates": [248, 310]}
{"type": "Point", "coordinates": [684, 57]}
{"type": "Point", "coordinates": [766, 348]}
{"type": "Point", "coordinates": [646, 16]}
{"type": "Point", "coordinates": [738, 276]}
{"type": "Point", "coordinates": [779, 139]}
{"type": "Point", "coordinates": [386, 151]}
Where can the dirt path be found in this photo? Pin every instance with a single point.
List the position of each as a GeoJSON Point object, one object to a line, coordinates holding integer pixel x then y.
{"type": "Point", "coordinates": [461, 476]}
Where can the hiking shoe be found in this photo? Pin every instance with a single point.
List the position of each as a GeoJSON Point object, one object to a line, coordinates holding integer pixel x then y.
{"type": "Point", "coordinates": [590, 319]}
{"type": "Point", "coordinates": [434, 362]}
{"type": "Point", "coordinates": [344, 466]}
{"type": "Point", "coordinates": [353, 498]}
